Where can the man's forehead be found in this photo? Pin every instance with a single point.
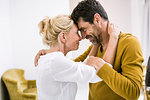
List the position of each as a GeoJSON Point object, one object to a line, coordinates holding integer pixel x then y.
{"type": "Point", "coordinates": [81, 23]}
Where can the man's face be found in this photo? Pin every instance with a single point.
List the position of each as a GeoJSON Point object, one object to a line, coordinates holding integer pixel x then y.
{"type": "Point", "coordinates": [90, 31]}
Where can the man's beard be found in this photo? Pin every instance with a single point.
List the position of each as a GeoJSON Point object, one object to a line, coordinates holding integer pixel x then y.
{"type": "Point", "coordinates": [97, 40]}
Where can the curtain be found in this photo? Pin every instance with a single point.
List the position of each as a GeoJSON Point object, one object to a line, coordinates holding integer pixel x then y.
{"type": "Point", "coordinates": [146, 34]}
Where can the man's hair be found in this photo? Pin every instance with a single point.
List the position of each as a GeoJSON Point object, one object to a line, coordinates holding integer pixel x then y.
{"type": "Point", "coordinates": [86, 10]}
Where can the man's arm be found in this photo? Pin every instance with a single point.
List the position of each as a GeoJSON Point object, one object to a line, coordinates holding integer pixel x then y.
{"type": "Point", "coordinates": [82, 57]}
{"type": "Point", "coordinates": [127, 83]}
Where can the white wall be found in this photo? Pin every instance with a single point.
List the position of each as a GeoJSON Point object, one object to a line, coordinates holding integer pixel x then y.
{"type": "Point", "coordinates": [137, 18]}
{"type": "Point", "coordinates": [119, 12]}
{"type": "Point", "coordinates": [19, 33]}
{"type": "Point", "coordinates": [5, 41]}
{"type": "Point", "coordinates": [138, 12]}
{"type": "Point", "coordinates": [25, 16]}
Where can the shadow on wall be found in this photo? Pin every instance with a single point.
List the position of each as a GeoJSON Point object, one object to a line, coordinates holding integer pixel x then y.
{"type": "Point", "coordinates": [4, 91]}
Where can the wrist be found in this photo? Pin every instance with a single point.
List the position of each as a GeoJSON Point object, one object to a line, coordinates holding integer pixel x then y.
{"type": "Point", "coordinates": [101, 63]}
{"type": "Point", "coordinates": [99, 67]}
{"type": "Point", "coordinates": [113, 39]}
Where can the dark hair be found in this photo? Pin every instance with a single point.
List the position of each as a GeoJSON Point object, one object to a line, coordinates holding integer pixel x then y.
{"type": "Point", "coordinates": [86, 9]}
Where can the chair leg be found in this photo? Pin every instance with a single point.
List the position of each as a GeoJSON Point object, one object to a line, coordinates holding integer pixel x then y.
{"type": "Point", "coordinates": [4, 91]}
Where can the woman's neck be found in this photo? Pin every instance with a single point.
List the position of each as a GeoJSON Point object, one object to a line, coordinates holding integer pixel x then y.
{"type": "Point", "coordinates": [57, 48]}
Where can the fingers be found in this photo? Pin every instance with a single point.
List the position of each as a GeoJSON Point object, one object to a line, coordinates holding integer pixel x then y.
{"type": "Point", "coordinates": [96, 62]}
{"type": "Point", "coordinates": [110, 28]}
{"type": "Point", "coordinates": [113, 30]}
{"type": "Point", "coordinates": [37, 57]}
{"type": "Point", "coordinates": [89, 60]}
{"type": "Point", "coordinates": [35, 61]}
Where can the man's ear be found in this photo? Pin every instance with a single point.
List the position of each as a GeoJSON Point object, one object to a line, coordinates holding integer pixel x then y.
{"type": "Point", "coordinates": [97, 19]}
{"type": "Point", "coordinates": [62, 37]}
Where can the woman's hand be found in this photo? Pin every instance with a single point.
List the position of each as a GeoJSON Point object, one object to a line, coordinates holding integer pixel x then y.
{"type": "Point", "coordinates": [95, 62]}
{"type": "Point", "coordinates": [113, 31]}
{"type": "Point", "coordinates": [41, 52]}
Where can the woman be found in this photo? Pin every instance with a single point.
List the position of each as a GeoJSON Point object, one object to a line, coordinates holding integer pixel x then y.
{"type": "Point", "coordinates": [57, 75]}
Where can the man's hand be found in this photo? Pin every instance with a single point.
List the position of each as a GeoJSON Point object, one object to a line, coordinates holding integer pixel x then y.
{"type": "Point", "coordinates": [41, 52]}
{"type": "Point", "coordinates": [96, 62]}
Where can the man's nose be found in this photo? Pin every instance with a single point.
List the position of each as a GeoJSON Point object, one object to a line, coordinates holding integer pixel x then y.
{"type": "Point", "coordinates": [83, 35]}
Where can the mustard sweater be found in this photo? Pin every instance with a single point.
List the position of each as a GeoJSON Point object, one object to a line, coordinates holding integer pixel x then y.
{"type": "Point", "coordinates": [124, 80]}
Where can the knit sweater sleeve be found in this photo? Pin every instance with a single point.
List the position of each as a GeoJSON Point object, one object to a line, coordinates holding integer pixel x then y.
{"type": "Point", "coordinates": [127, 83]}
{"type": "Point", "coordinates": [83, 56]}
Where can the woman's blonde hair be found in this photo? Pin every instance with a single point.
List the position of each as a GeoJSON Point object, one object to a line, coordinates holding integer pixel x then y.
{"type": "Point", "coordinates": [50, 28]}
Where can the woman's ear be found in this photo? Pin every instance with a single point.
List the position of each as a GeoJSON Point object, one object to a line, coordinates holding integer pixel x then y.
{"type": "Point", "coordinates": [62, 37]}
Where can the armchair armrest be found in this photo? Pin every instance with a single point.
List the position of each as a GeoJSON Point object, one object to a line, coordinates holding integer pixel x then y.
{"type": "Point", "coordinates": [32, 96]}
{"type": "Point", "coordinates": [31, 83]}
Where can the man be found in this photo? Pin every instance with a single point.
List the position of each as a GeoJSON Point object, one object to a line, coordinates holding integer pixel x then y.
{"type": "Point", "coordinates": [124, 80]}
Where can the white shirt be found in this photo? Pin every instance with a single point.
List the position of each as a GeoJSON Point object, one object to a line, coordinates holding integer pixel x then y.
{"type": "Point", "coordinates": [58, 76]}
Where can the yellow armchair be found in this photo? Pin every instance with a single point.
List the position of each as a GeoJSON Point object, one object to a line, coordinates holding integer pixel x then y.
{"type": "Point", "coordinates": [18, 87]}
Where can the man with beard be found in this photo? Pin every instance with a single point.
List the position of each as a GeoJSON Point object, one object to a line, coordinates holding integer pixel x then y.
{"type": "Point", "coordinates": [124, 80]}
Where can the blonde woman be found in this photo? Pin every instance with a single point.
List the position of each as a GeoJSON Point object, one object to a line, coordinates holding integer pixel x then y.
{"type": "Point", "coordinates": [57, 75]}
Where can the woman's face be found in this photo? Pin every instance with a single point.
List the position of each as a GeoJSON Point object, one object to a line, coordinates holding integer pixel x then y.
{"type": "Point", "coordinates": [73, 38]}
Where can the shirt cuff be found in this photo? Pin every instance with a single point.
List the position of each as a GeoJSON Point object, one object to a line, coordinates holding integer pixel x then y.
{"type": "Point", "coordinates": [103, 71]}
{"type": "Point", "coordinates": [86, 59]}
{"type": "Point", "coordinates": [109, 64]}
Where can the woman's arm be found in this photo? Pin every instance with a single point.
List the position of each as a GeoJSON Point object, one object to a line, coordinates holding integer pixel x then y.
{"type": "Point", "coordinates": [66, 70]}
{"type": "Point", "coordinates": [110, 52]}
